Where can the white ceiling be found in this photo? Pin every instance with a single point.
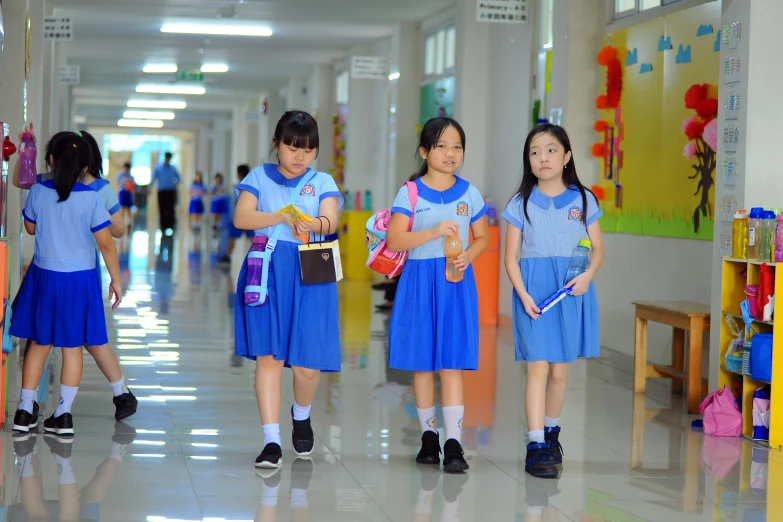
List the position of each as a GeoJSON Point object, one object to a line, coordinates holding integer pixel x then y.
{"type": "Point", "coordinates": [114, 39]}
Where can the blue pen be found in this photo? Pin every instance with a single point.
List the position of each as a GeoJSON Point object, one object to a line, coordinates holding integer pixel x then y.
{"type": "Point", "coordinates": [553, 299]}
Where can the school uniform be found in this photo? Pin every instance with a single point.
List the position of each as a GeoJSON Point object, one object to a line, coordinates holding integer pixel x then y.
{"type": "Point", "coordinates": [298, 323]}
{"type": "Point", "coordinates": [434, 323]}
{"type": "Point", "coordinates": [61, 303]}
{"type": "Point", "coordinates": [570, 329]}
{"type": "Point", "coordinates": [125, 196]}
{"type": "Point", "coordinates": [219, 203]}
{"type": "Point", "coordinates": [196, 199]}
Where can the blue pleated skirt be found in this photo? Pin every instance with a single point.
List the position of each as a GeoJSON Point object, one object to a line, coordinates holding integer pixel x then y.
{"type": "Point", "coordinates": [219, 205]}
{"type": "Point", "coordinates": [126, 198]}
{"type": "Point", "coordinates": [567, 331]}
{"type": "Point", "coordinates": [434, 323]}
{"type": "Point", "coordinates": [196, 206]}
{"type": "Point", "coordinates": [298, 323]}
{"type": "Point", "coordinates": [63, 309]}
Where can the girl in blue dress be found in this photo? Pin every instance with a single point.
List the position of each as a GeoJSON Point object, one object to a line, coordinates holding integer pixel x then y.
{"type": "Point", "coordinates": [297, 326]}
{"type": "Point", "coordinates": [219, 204]}
{"type": "Point", "coordinates": [434, 323]}
{"type": "Point", "coordinates": [60, 304]}
{"type": "Point", "coordinates": [550, 214]}
{"type": "Point", "coordinates": [196, 208]}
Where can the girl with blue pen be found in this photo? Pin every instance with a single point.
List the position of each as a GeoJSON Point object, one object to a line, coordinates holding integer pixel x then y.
{"type": "Point", "coordinates": [549, 216]}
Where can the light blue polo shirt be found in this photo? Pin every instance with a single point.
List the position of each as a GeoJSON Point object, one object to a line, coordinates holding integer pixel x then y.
{"type": "Point", "coordinates": [166, 176]}
{"type": "Point", "coordinates": [102, 187]}
{"type": "Point", "coordinates": [64, 240]}
{"type": "Point", "coordinates": [555, 227]}
{"type": "Point", "coordinates": [461, 203]}
{"type": "Point", "coordinates": [274, 191]}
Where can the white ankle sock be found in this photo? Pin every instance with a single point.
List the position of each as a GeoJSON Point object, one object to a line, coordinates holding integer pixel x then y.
{"type": "Point", "coordinates": [271, 434]}
{"type": "Point", "coordinates": [269, 495]}
{"type": "Point", "coordinates": [452, 415]}
{"type": "Point", "coordinates": [427, 419]}
{"type": "Point", "coordinates": [298, 498]}
{"type": "Point", "coordinates": [118, 387]}
{"type": "Point", "coordinates": [536, 435]}
{"type": "Point", "coordinates": [67, 396]}
{"type": "Point", "coordinates": [550, 422]}
{"type": "Point", "coordinates": [301, 412]}
{"type": "Point", "coordinates": [65, 476]}
{"type": "Point", "coordinates": [26, 400]}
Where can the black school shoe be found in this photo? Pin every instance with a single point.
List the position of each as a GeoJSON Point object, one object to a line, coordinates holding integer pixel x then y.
{"type": "Point", "coordinates": [555, 448]}
{"type": "Point", "coordinates": [539, 461]}
{"type": "Point", "coordinates": [430, 449]}
{"type": "Point", "coordinates": [125, 405]}
{"type": "Point", "coordinates": [302, 436]}
{"type": "Point", "coordinates": [453, 457]}
{"type": "Point", "coordinates": [58, 446]}
{"type": "Point", "coordinates": [24, 421]}
{"type": "Point", "coordinates": [24, 443]}
{"type": "Point", "coordinates": [271, 457]}
{"type": "Point", "coordinates": [61, 426]}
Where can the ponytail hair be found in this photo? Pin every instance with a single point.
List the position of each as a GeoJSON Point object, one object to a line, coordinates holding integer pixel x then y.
{"type": "Point", "coordinates": [96, 160]}
{"type": "Point", "coordinates": [71, 155]}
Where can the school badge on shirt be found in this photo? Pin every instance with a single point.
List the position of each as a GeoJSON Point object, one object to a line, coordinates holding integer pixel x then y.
{"type": "Point", "coordinates": [308, 190]}
{"type": "Point", "coordinates": [462, 209]}
{"type": "Point", "coordinates": [575, 214]}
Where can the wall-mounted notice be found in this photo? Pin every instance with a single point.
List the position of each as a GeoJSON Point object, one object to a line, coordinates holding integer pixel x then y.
{"type": "Point", "coordinates": [503, 11]}
{"type": "Point", "coordinates": [58, 28]}
{"type": "Point", "coordinates": [732, 34]}
{"type": "Point", "coordinates": [725, 241]}
{"type": "Point", "coordinates": [729, 173]}
{"type": "Point", "coordinates": [69, 74]}
{"type": "Point", "coordinates": [728, 206]}
{"type": "Point", "coordinates": [731, 139]}
{"type": "Point", "coordinates": [732, 106]}
{"type": "Point", "coordinates": [369, 68]}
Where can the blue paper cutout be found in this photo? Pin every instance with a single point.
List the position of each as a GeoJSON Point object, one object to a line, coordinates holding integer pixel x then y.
{"type": "Point", "coordinates": [683, 55]}
{"type": "Point", "coordinates": [632, 58]}
{"type": "Point", "coordinates": [716, 47]}
{"type": "Point", "coordinates": [704, 30]}
{"type": "Point", "coordinates": [645, 68]}
{"type": "Point", "coordinates": [664, 43]}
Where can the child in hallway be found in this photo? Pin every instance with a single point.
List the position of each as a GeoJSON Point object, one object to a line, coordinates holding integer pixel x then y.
{"type": "Point", "coordinates": [196, 208]}
{"type": "Point", "coordinates": [551, 212]}
{"type": "Point", "coordinates": [434, 323]}
{"type": "Point", "coordinates": [61, 303]}
{"type": "Point", "coordinates": [297, 325]}
{"type": "Point", "coordinates": [219, 204]}
{"type": "Point", "coordinates": [125, 187]}
{"type": "Point", "coordinates": [235, 233]}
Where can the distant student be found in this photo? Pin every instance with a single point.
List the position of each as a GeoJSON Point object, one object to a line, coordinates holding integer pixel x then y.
{"type": "Point", "coordinates": [297, 326]}
{"type": "Point", "coordinates": [219, 204]}
{"type": "Point", "coordinates": [62, 303]}
{"type": "Point", "coordinates": [125, 187]}
{"type": "Point", "coordinates": [167, 178]}
{"type": "Point", "coordinates": [196, 208]}
{"type": "Point", "coordinates": [434, 322]}
{"type": "Point", "coordinates": [550, 214]}
{"type": "Point", "coordinates": [235, 233]}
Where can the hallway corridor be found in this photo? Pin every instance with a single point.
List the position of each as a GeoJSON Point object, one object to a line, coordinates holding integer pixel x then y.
{"type": "Point", "coordinates": [187, 455]}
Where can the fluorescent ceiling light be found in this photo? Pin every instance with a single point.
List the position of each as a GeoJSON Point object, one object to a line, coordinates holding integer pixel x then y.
{"type": "Point", "coordinates": [153, 88]}
{"type": "Point", "coordinates": [148, 115]}
{"type": "Point", "coordinates": [205, 28]}
{"type": "Point", "coordinates": [160, 68]}
{"type": "Point", "coordinates": [147, 124]}
{"type": "Point", "coordinates": [214, 68]}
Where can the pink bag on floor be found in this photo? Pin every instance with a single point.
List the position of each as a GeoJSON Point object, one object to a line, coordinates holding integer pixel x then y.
{"type": "Point", "coordinates": [722, 417]}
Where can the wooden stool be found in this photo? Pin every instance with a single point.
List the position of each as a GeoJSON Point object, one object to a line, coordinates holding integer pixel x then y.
{"type": "Point", "coordinates": [681, 316]}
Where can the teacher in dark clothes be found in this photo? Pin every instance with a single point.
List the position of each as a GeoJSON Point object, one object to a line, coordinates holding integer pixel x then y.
{"type": "Point", "coordinates": [167, 178]}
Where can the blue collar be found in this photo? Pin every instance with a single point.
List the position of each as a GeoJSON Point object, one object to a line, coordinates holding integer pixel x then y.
{"type": "Point", "coordinates": [98, 184]}
{"type": "Point", "coordinates": [271, 171]}
{"type": "Point", "coordinates": [561, 201]}
{"type": "Point", "coordinates": [449, 195]}
{"type": "Point", "coordinates": [79, 187]}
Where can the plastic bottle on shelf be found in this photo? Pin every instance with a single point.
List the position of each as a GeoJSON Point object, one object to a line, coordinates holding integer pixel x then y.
{"type": "Point", "coordinates": [28, 153]}
{"type": "Point", "coordinates": [367, 200]}
{"type": "Point", "coordinates": [254, 271]}
{"type": "Point", "coordinates": [357, 201]}
{"type": "Point", "coordinates": [779, 240]}
{"type": "Point", "coordinates": [492, 214]}
{"type": "Point", "coordinates": [767, 239]}
{"type": "Point", "coordinates": [739, 235]}
{"type": "Point", "coordinates": [348, 200]}
{"type": "Point", "coordinates": [754, 233]}
{"type": "Point", "coordinates": [452, 248]}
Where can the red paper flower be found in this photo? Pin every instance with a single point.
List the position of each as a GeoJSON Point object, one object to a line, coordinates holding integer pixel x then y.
{"type": "Point", "coordinates": [707, 108]}
{"type": "Point", "coordinates": [598, 192]}
{"type": "Point", "coordinates": [694, 129]}
{"type": "Point", "coordinates": [606, 55]}
{"type": "Point", "coordinates": [602, 102]}
{"type": "Point", "coordinates": [600, 126]}
{"type": "Point", "coordinates": [598, 150]}
{"type": "Point", "coordinates": [695, 95]}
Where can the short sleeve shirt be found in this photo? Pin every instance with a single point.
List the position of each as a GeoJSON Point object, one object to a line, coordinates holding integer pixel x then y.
{"type": "Point", "coordinates": [555, 226]}
{"type": "Point", "coordinates": [461, 203]}
{"type": "Point", "coordinates": [102, 187]}
{"type": "Point", "coordinates": [274, 192]}
{"type": "Point", "coordinates": [64, 240]}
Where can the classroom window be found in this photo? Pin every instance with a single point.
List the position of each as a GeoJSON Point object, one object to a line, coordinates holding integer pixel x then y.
{"type": "Point", "coordinates": [341, 88]}
{"type": "Point", "coordinates": [545, 24]}
{"type": "Point", "coordinates": [440, 49]}
{"type": "Point", "coordinates": [624, 8]}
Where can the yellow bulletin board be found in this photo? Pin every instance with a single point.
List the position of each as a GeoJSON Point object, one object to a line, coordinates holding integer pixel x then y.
{"type": "Point", "coordinates": [657, 147]}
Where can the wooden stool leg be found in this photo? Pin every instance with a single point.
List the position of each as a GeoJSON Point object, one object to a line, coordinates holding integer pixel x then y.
{"type": "Point", "coordinates": [694, 363]}
{"type": "Point", "coordinates": [640, 357]}
{"type": "Point", "coordinates": [637, 431]}
{"type": "Point", "coordinates": [678, 357]}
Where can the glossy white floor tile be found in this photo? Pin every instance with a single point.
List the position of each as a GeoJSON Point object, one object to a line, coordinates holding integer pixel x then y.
{"type": "Point", "coordinates": [188, 454]}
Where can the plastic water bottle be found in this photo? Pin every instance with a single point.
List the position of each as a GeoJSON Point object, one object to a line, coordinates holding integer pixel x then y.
{"type": "Point", "coordinates": [367, 200]}
{"type": "Point", "coordinates": [27, 157]}
{"type": "Point", "coordinates": [754, 233]}
{"type": "Point", "coordinates": [492, 215]}
{"type": "Point", "coordinates": [767, 244]}
{"type": "Point", "coordinates": [452, 248]}
{"type": "Point", "coordinates": [254, 271]}
{"type": "Point", "coordinates": [580, 260]}
{"type": "Point", "coordinates": [779, 240]}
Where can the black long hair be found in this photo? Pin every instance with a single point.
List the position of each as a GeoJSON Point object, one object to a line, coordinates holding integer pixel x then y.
{"type": "Point", "coordinates": [297, 129]}
{"type": "Point", "coordinates": [96, 160]}
{"type": "Point", "coordinates": [72, 155]}
{"type": "Point", "coordinates": [430, 135]}
{"type": "Point", "coordinates": [529, 180]}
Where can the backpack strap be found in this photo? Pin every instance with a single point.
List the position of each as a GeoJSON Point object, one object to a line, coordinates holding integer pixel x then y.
{"type": "Point", "coordinates": [413, 196]}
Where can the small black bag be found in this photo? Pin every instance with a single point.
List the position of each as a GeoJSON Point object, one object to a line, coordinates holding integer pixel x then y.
{"type": "Point", "coordinates": [320, 262]}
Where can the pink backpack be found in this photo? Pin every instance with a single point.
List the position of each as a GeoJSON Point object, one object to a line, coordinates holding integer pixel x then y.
{"type": "Point", "coordinates": [381, 260]}
{"type": "Point", "coordinates": [722, 417]}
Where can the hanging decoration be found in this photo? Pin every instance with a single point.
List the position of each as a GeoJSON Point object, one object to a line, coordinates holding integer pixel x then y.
{"type": "Point", "coordinates": [613, 132]}
{"type": "Point", "coordinates": [701, 129]}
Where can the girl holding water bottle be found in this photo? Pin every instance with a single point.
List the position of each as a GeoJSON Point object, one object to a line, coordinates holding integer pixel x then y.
{"type": "Point", "coordinates": [434, 321]}
{"type": "Point", "coordinates": [288, 323]}
{"type": "Point", "coordinates": [551, 213]}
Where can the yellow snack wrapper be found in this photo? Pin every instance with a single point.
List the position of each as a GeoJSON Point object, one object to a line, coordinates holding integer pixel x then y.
{"type": "Point", "coordinates": [295, 214]}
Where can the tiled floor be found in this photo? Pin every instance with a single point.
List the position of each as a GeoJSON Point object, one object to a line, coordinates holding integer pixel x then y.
{"type": "Point", "coordinates": [188, 454]}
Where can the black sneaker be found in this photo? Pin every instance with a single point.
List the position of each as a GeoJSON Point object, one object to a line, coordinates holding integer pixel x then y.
{"type": "Point", "coordinates": [58, 446]}
{"type": "Point", "coordinates": [125, 405]}
{"type": "Point", "coordinates": [62, 425]}
{"type": "Point", "coordinates": [302, 436]}
{"type": "Point", "coordinates": [271, 457]}
{"type": "Point", "coordinates": [24, 443]}
{"type": "Point", "coordinates": [25, 421]}
{"type": "Point", "coordinates": [555, 448]}
{"type": "Point", "coordinates": [430, 449]}
{"type": "Point", "coordinates": [123, 434]}
{"type": "Point", "coordinates": [539, 461]}
{"type": "Point", "coordinates": [453, 457]}
{"type": "Point", "coordinates": [301, 473]}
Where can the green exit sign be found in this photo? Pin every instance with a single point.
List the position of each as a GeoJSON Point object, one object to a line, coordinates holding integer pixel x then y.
{"type": "Point", "coordinates": [190, 75]}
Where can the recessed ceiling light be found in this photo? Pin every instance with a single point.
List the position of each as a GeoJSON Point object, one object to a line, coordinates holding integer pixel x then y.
{"type": "Point", "coordinates": [152, 88]}
{"type": "Point", "coordinates": [156, 104]}
{"type": "Point", "coordinates": [160, 68]}
{"type": "Point", "coordinates": [223, 29]}
{"type": "Point", "coordinates": [148, 115]}
{"type": "Point", "coordinates": [146, 124]}
{"type": "Point", "coordinates": [214, 68]}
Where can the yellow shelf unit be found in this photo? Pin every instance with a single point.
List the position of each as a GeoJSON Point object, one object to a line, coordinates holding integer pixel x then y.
{"type": "Point", "coordinates": [736, 274]}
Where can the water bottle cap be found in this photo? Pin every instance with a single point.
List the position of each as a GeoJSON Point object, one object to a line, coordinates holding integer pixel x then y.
{"type": "Point", "coordinates": [260, 239]}
{"type": "Point", "coordinates": [780, 217]}
{"type": "Point", "coordinates": [756, 212]}
{"type": "Point", "coordinates": [27, 135]}
{"type": "Point", "coordinates": [741, 214]}
{"type": "Point", "coordinates": [768, 214]}
{"type": "Point", "coordinates": [585, 243]}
